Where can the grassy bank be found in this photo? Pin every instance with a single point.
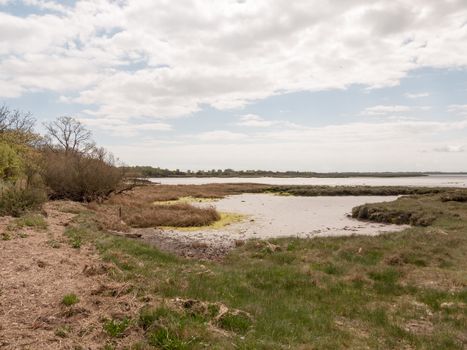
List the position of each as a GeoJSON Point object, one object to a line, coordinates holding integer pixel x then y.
{"type": "Point", "coordinates": [401, 290]}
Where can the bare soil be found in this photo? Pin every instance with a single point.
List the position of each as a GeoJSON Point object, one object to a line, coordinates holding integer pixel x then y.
{"type": "Point", "coordinates": [39, 267]}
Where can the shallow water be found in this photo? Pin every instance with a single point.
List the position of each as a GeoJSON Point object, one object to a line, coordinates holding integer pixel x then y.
{"type": "Point", "coordinates": [427, 181]}
{"type": "Point", "coordinates": [269, 216]}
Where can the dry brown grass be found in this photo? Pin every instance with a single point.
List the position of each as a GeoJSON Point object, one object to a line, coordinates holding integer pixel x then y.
{"type": "Point", "coordinates": [177, 215]}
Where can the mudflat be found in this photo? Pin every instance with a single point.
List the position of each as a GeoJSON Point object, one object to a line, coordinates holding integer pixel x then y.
{"type": "Point", "coordinates": [266, 216]}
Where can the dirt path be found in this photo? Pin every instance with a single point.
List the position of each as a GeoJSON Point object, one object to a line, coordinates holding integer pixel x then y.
{"type": "Point", "coordinates": [37, 268]}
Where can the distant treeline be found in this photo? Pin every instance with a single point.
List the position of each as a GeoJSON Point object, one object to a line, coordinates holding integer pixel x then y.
{"type": "Point", "coordinates": [148, 171]}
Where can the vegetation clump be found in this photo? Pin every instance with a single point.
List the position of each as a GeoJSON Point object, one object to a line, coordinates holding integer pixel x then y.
{"type": "Point", "coordinates": [32, 220]}
{"type": "Point", "coordinates": [116, 328]}
{"type": "Point", "coordinates": [178, 215]}
{"type": "Point", "coordinates": [15, 202]}
{"type": "Point", "coordinates": [70, 299]}
{"type": "Point", "coordinates": [400, 212]}
{"type": "Point", "coordinates": [76, 236]}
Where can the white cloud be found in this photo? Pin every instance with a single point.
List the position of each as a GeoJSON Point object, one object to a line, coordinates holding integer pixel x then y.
{"type": "Point", "coordinates": [417, 95]}
{"type": "Point", "coordinates": [384, 110]}
{"type": "Point", "coordinates": [392, 111]}
{"type": "Point", "coordinates": [449, 149]}
{"type": "Point", "coordinates": [221, 135]}
{"type": "Point", "coordinates": [458, 109]}
{"type": "Point", "coordinates": [124, 128]}
{"type": "Point", "coordinates": [222, 53]}
{"type": "Point", "coordinates": [253, 120]}
{"type": "Point", "coordinates": [388, 146]}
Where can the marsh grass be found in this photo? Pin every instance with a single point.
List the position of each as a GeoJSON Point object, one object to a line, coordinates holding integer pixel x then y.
{"type": "Point", "coordinates": [176, 215]}
{"type": "Point", "coordinates": [225, 219]}
{"type": "Point", "coordinates": [398, 290]}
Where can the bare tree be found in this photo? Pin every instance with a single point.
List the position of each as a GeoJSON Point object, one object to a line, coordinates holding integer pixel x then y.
{"type": "Point", "coordinates": [14, 120]}
{"type": "Point", "coordinates": [70, 135]}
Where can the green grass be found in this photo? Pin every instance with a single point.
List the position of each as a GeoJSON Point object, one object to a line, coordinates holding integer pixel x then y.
{"type": "Point", "coordinates": [70, 299]}
{"type": "Point", "coordinates": [62, 331]}
{"type": "Point", "coordinates": [238, 323]}
{"type": "Point", "coordinates": [116, 328]}
{"type": "Point", "coordinates": [31, 220]}
{"type": "Point", "coordinates": [76, 236]}
{"type": "Point", "coordinates": [323, 293]}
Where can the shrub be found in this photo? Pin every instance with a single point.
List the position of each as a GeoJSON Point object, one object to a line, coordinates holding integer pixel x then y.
{"type": "Point", "coordinates": [80, 177]}
{"type": "Point", "coordinates": [11, 164]}
{"type": "Point", "coordinates": [15, 201]}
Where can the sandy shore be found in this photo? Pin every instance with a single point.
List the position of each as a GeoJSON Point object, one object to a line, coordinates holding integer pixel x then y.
{"type": "Point", "coordinates": [269, 216]}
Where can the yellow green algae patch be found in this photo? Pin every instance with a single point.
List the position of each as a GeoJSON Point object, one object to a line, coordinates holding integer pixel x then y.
{"type": "Point", "coordinates": [187, 200]}
{"type": "Point", "coordinates": [225, 220]}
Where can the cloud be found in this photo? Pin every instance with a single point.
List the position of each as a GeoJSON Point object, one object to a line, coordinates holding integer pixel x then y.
{"type": "Point", "coordinates": [253, 120]}
{"type": "Point", "coordinates": [449, 149]}
{"type": "Point", "coordinates": [220, 135]}
{"type": "Point", "coordinates": [388, 146]}
{"type": "Point", "coordinates": [392, 111]}
{"type": "Point", "coordinates": [124, 128]}
{"type": "Point", "coordinates": [162, 59]}
{"type": "Point", "coordinates": [458, 109]}
{"type": "Point", "coordinates": [417, 95]}
{"type": "Point", "coordinates": [384, 110]}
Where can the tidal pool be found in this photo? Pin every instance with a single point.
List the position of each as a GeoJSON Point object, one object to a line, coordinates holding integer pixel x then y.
{"type": "Point", "coordinates": [270, 216]}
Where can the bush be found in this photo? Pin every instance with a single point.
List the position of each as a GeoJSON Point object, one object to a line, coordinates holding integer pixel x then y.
{"type": "Point", "coordinates": [16, 202]}
{"type": "Point", "coordinates": [80, 177]}
{"type": "Point", "coordinates": [11, 164]}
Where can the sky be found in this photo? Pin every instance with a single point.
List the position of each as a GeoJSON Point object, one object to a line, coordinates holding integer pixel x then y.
{"type": "Point", "coordinates": [312, 85]}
